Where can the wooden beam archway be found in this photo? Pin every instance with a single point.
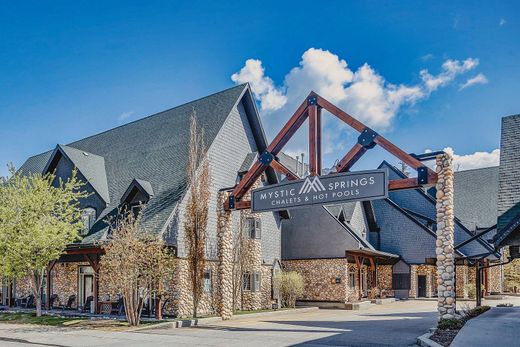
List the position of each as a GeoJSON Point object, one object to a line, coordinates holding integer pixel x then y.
{"type": "Point", "coordinates": [311, 108]}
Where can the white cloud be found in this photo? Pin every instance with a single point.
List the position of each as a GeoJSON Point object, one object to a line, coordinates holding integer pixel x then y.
{"type": "Point", "coordinates": [427, 57]}
{"type": "Point", "coordinates": [125, 115]}
{"type": "Point", "coordinates": [262, 86]}
{"type": "Point", "coordinates": [450, 70]}
{"type": "Point", "coordinates": [474, 160]}
{"type": "Point", "coordinates": [502, 22]}
{"type": "Point", "coordinates": [478, 79]}
{"type": "Point", "coordinates": [363, 92]}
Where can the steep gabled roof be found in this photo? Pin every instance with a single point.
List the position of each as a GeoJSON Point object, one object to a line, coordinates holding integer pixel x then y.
{"type": "Point", "coordinates": [475, 199]}
{"type": "Point", "coordinates": [418, 201]}
{"type": "Point", "coordinates": [91, 166]}
{"type": "Point", "coordinates": [508, 232]}
{"type": "Point", "coordinates": [141, 185]}
{"type": "Point", "coordinates": [153, 149]}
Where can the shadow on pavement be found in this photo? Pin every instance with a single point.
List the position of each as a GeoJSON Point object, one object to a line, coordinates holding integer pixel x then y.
{"type": "Point", "coordinates": [399, 329]}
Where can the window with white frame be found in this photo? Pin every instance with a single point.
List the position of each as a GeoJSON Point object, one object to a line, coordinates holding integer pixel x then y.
{"type": "Point", "coordinates": [256, 282]}
{"type": "Point", "coordinates": [352, 278]}
{"type": "Point", "coordinates": [246, 281]}
{"type": "Point", "coordinates": [88, 217]}
{"type": "Point", "coordinates": [254, 227]}
{"type": "Point", "coordinates": [207, 281]}
{"type": "Point", "coordinates": [251, 281]}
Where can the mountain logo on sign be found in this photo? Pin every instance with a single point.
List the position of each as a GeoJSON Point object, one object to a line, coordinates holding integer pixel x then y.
{"type": "Point", "coordinates": [312, 185]}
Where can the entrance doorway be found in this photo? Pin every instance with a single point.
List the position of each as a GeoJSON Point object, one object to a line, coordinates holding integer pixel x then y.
{"type": "Point", "coordinates": [6, 294]}
{"type": "Point", "coordinates": [86, 284]}
{"type": "Point", "coordinates": [421, 286]}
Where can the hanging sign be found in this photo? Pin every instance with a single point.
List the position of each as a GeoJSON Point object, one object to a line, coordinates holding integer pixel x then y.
{"type": "Point", "coordinates": [321, 190]}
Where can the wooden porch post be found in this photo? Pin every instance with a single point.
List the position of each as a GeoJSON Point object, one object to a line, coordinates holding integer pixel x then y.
{"type": "Point", "coordinates": [359, 264]}
{"type": "Point", "coordinates": [373, 266]}
{"type": "Point", "coordinates": [48, 289]}
{"type": "Point", "coordinates": [94, 263]}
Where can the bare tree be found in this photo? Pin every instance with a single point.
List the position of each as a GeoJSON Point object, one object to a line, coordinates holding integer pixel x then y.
{"type": "Point", "coordinates": [196, 213]}
{"type": "Point", "coordinates": [135, 264]}
{"type": "Point", "coordinates": [238, 265]}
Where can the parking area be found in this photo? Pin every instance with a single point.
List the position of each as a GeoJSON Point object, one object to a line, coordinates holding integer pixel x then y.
{"type": "Point", "coordinates": [396, 324]}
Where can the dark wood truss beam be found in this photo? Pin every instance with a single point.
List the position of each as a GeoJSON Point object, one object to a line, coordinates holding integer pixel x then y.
{"type": "Point", "coordinates": [274, 148]}
{"type": "Point", "coordinates": [311, 108]}
{"type": "Point", "coordinates": [351, 158]}
{"type": "Point", "coordinates": [313, 137]}
{"type": "Point", "coordinates": [280, 168]}
{"type": "Point", "coordinates": [85, 251]}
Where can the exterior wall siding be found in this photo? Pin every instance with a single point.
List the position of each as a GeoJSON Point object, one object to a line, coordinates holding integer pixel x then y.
{"type": "Point", "coordinates": [226, 155]}
{"type": "Point", "coordinates": [313, 233]}
{"type": "Point", "coordinates": [509, 171]}
{"type": "Point", "coordinates": [400, 235]}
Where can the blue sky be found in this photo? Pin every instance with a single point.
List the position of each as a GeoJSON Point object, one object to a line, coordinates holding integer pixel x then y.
{"type": "Point", "coordinates": [72, 69]}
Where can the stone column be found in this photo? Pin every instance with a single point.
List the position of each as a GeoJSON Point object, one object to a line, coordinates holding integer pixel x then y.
{"type": "Point", "coordinates": [445, 231]}
{"type": "Point", "coordinates": [225, 258]}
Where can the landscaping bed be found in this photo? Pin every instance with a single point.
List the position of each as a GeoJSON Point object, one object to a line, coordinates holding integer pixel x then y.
{"type": "Point", "coordinates": [447, 329]}
{"type": "Point", "coordinates": [69, 322]}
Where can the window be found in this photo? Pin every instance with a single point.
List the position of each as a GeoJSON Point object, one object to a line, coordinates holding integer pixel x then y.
{"type": "Point", "coordinates": [136, 209]}
{"type": "Point", "coordinates": [401, 281]}
{"type": "Point", "coordinates": [207, 281]}
{"type": "Point", "coordinates": [246, 281]}
{"type": "Point", "coordinates": [251, 281]}
{"type": "Point", "coordinates": [254, 228]}
{"type": "Point", "coordinates": [256, 282]}
{"type": "Point", "coordinates": [88, 217]}
{"type": "Point", "coordinates": [352, 278]}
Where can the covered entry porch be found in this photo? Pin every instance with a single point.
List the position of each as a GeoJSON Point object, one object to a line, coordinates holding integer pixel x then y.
{"type": "Point", "coordinates": [370, 284]}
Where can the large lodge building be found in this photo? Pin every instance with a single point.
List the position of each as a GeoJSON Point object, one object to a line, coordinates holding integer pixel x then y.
{"type": "Point", "coordinates": [346, 253]}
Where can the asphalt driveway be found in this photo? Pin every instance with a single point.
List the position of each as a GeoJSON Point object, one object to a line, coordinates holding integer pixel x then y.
{"type": "Point", "coordinates": [396, 324]}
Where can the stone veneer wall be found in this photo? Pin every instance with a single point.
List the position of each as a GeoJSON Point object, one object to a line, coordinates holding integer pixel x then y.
{"type": "Point", "coordinates": [225, 258]}
{"type": "Point", "coordinates": [423, 270]}
{"type": "Point", "coordinates": [180, 299]}
{"type": "Point", "coordinates": [384, 279]}
{"type": "Point", "coordinates": [22, 288]}
{"type": "Point", "coordinates": [251, 256]}
{"type": "Point", "coordinates": [445, 231]}
{"type": "Point", "coordinates": [495, 279]}
{"type": "Point", "coordinates": [320, 277]}
{"type": "Point", "coordinates": [462, 279]}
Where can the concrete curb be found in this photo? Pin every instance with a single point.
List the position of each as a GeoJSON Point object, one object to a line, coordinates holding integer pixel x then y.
{"type": "Point", "coordinates": [185, 323]}
{"type": "Point", "coordinates": [424, 340]}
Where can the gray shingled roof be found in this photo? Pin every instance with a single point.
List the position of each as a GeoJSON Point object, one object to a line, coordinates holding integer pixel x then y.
{"type": "Point", "coordinates": [418, 201]}
{"type": "Point", "coordinates": [153, 149]}
{"type": "Point", "coordinates": [475, 198]}
{"type": "Point", "coordinates": [91, 166]}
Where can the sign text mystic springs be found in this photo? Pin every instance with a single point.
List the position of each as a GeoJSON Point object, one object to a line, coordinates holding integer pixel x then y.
{"type": "Point", "coordinates": [350, 186]}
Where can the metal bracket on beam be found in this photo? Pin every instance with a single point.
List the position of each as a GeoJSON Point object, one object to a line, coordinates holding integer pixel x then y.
{"type": "Point", "coordinates": [312, 100]}
{"type": "Point", "coordinates": [366, 138]}
{"type": "Point", "coordinates": [422, 175]}
{"type": "Point", "coordinates": [231, 202]}
{"type": "Point", "coordinates": [266, 158]}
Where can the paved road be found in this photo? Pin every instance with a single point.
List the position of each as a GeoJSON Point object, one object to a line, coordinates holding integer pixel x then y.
{"type": "Point", "coordinates": [396, 324]}
{"type": "Point", "coordinates": [498, 325]}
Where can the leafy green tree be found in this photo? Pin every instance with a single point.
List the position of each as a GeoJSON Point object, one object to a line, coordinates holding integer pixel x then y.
{"type": "Point", "coordinates": [38, 219]}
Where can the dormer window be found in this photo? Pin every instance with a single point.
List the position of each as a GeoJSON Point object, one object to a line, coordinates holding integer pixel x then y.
{"type": "Point", "coordinates": [88, 217]}
{"type": "Point", "coordinates": [136, 209]}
